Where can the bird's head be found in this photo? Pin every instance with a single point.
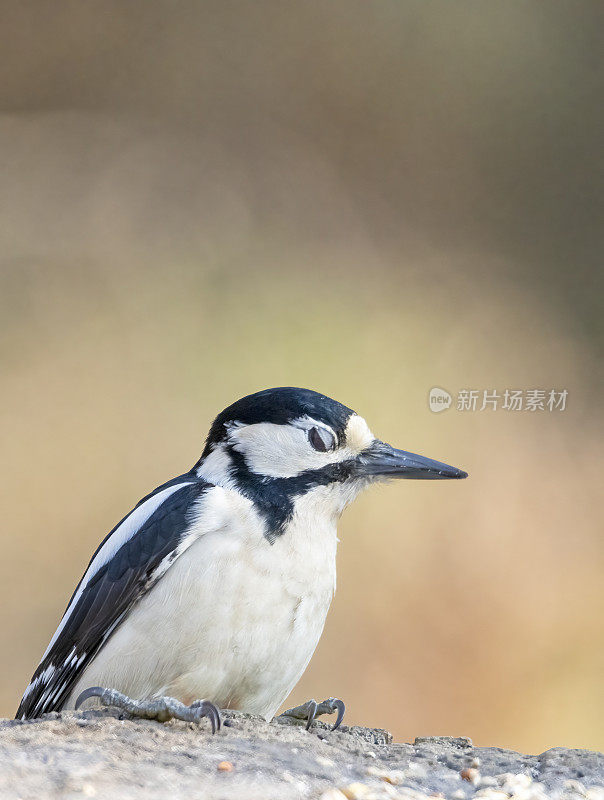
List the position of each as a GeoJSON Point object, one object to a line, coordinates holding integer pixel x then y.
{"type": "Point", "coordinates": [278, 445]}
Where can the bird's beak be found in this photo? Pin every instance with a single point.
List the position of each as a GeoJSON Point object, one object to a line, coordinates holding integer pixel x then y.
{"type": "Point", "coordinates": [383, 460]}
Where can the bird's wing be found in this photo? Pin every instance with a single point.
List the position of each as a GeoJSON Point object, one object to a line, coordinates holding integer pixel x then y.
{"type": "Point", "coordinates": [130, 560]}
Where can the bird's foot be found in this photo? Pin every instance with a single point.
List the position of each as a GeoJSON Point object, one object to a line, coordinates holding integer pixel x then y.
{"type": "Point", "coordinates": [159, 708]}
{"type": "Point", "coordinates": [311, 709]}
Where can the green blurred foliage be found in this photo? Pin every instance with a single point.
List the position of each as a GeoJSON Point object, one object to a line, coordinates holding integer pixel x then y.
{"type": "Point", "coordinates": [202, 199]}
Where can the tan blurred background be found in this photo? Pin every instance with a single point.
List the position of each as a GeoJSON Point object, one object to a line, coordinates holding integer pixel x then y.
{"type": "Point", "coordinates": [202, 199]}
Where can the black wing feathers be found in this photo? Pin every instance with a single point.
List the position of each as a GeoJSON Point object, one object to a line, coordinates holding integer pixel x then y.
{"type": "Point", "coordinates": [107, 596]}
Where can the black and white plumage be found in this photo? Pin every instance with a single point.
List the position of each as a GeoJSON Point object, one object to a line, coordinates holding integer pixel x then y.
{"type": "Point", "coordinates": [128, 562]}
{"type": "Point", "coordinates": [217, 584]}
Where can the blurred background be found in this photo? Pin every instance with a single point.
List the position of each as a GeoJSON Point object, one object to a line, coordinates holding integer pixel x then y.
{"type": "Point", "coordinates": [202, 199]}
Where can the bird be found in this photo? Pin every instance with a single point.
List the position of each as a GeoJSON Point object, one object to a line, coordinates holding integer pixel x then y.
{"type": "Point", "coordinates": [212, 593]}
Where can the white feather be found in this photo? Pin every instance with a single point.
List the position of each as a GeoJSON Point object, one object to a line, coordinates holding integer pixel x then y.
{"type": "Point", "coordinates": [233, 619]}
{"type": "Point", "coordinates": [119, 537]}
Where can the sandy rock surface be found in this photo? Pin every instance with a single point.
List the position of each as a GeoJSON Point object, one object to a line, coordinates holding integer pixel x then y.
{"type": "Point", "coordinates": [97, 754]}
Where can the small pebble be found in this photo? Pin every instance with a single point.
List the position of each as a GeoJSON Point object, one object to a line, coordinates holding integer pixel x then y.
{"type": "Point", "coordinates": [492, 794]}
{"type": "Point", "coordinates": [475, 763]}
{"type": "Point", "coordinates": [470, 774]}
{"type": "Point", "coordinates": [355, 791]}
{"type": "Point", "coordinates": [332, 794]}
{"type": "Point", "coordinates": [224, 766]}
{"type": "Point", "coordinates": [458, 794]}
{"type": "Point", "coordinates": [416, 770]}
{"type": "Point", "coordinates": [392, 776]}
{"type": "Point", "coordinates": [512, 782]}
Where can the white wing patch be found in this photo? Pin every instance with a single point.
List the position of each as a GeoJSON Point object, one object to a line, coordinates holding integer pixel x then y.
{"type": "Point", "coordinates": [46, 677]}
{"type": "Point", "coordinates": [120, 536]}
{"type": "Point", "coordinates": [124, 569]}
{"type": "Point", "coordinates": [42, 678]}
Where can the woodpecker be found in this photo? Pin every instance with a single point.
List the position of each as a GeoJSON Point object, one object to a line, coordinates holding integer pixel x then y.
{"type": "Point", "coordinates": [212, 592]}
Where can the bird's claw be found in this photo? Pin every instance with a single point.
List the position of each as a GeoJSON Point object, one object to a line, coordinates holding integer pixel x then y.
{"type": "Point", "coordinates": [311, 709]}
{"type": "Point", "coordinates": [159, 708]}
{"type": "Point", "coordinates": [311, 713]}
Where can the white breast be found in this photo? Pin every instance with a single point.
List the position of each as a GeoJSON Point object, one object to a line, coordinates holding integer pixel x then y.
{"type": "Point", "coordinates": [235, 619]}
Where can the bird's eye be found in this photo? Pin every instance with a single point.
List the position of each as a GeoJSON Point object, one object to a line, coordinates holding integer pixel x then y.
{"type": "Point", "coordinates": [321, 439]}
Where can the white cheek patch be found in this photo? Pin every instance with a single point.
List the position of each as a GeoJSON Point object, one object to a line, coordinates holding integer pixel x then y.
{"type": "Point", "coordinates": [283, 451]}
{"type": "Point", "coordinates": [277, 451]}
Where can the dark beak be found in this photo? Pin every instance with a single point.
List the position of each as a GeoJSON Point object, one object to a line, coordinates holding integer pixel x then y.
{"type": "Point", "coordinates": [382, 460]}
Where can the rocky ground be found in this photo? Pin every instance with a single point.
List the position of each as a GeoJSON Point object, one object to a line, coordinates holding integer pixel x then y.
{"type": "Point", "coordinates": [97, 754]}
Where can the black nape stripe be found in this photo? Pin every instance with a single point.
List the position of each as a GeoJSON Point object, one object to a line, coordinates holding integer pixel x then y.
{"type": "Point", "coordinates": [274, 497]}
